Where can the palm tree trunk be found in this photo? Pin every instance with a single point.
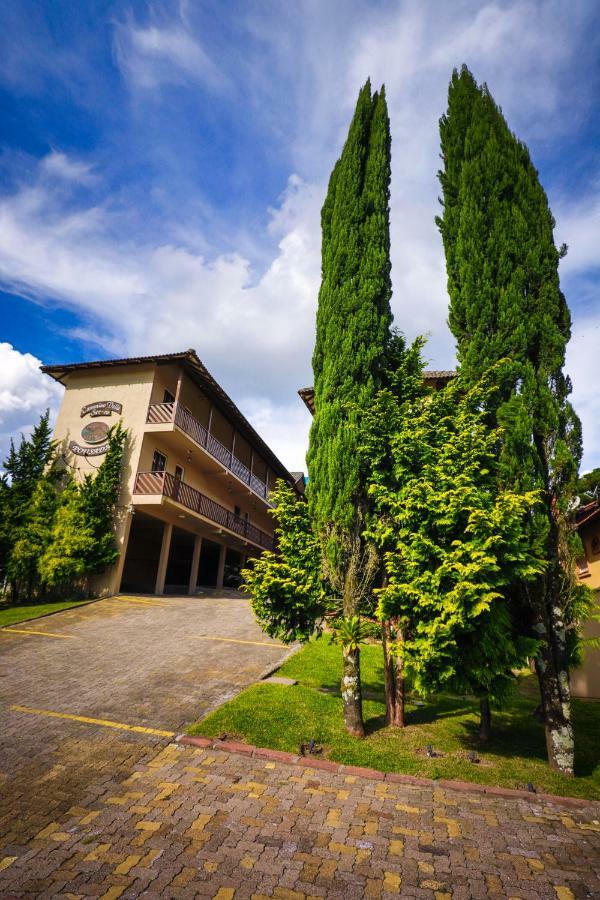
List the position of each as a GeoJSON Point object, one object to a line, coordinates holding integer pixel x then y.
{"type": "Point", "coordinates": [351, 691]}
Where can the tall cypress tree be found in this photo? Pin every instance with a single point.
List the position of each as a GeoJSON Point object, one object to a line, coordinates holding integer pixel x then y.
{"type": "Point", "coordinates": [506, 302]}
{"type": "Point", "coordinates": [25, 465]}
{"type": "Point", "coordinates": [353, 331]}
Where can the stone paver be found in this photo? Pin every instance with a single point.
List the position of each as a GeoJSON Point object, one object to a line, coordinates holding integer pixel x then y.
{"type": "Point", "coordinates": [90, 811]}
{"type": "Point", "coordinates": [184, 822]}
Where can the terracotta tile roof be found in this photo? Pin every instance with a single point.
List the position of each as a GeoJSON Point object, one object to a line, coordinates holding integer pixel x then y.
{"type": "Point", "coordinates": [196, 369]}
{"type": "Point", "coordinates": [437, 377]}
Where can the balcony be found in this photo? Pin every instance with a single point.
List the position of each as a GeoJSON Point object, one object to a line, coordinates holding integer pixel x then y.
{"type": "Point", "coordinates": [165, 413]}
{"type": "Point", "coordinates": [165, 484]}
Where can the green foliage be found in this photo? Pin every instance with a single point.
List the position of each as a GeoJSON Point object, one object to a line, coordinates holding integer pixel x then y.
{"type": "Point", "coordinates": [24, 467]}
{"type": "Point", "coordinates": [351, 631]}
{"type": "Point", "coordinates": [98, 498]}
{"type": "Point", "coordinates": [452, 542]}
{"type": "Point", "coordinates": [353, 323]}
{"type": "Point", "coordinates": [505, 297]}
{"type": "Point", "coordinates": [588, 486]}
{"type": "Point", "coordinates": [288, 595]}
{"type": "Point", "coordinates": [82, 538]}
{"type": "Point", "coordinates": [35, 533]}
{"type": "Point", "coordinates": [506, 302]}
{"type": "Point", "coordinates": [64, 561]}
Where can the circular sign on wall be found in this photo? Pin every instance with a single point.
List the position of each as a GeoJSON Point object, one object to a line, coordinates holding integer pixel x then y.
{"type": "Point", "coordinates": [94, 432]}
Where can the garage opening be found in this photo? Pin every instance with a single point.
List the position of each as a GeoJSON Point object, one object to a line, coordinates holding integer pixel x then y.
{"type": "Point", "coordinates": [232, 576]}
{"type": "Point", "coordinates": [208, 569]}
{"type": "Point", "coordinates": [143, 553]}
{"type": "Point", "coordinates": [179, 566]}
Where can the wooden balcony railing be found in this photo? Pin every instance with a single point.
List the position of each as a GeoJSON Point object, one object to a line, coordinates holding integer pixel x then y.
{"type": "Point", "coordinates": [166, 484]}
{"type": "Point", "coordinates": [160, 413]}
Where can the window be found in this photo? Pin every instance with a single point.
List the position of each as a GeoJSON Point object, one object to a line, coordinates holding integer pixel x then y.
{"type": "Point", "coordinates": [583, 570]}
{"type": "Point", "coordinates": [159, 461]}
{"type": "Point", "coordinates": [169, 397]}
{"type": "Point", "coordinates": [178, 473]}
{"type": "Point", "coordinates": [237, 510]}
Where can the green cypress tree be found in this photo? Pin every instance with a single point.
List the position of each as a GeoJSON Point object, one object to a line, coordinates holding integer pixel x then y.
{"type": "Point", "coordinates": [82, 541]}
{"type": "Point", "coordinates": [98, 499]}
{"type": "Point", "coordinates": [288, 596]}
{"type": "Point", "coordinates": [35, 534]}
{"type": "Point", "coordinates": [353, 332]}
{"type": "Point", "coordinates": [450, 543]}
{"type": "Point", "coordinates": [506, 302]}
{"type": "Point", "coordinates": [25, 465]}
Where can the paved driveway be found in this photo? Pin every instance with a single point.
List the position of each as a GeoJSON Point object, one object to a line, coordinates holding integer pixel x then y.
{"type": "Point", "coordinates": [111, 807]}
{"type": "Point", "coordinates": [152, 661]}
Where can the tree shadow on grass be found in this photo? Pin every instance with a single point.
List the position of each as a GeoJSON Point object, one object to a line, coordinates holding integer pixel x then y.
{"type": "Point", "coordinates": [517, 733]}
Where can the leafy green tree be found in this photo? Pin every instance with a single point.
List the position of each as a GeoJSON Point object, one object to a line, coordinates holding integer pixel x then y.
{"type": "Point", "coordinates": [6, 539]}
{"type": "Point", "coordinates": [451, 543]}
{"type": "Point", "coordinates": [82, 541]}
{"type": "Point", "coordinates": [289, 597]}
{"type": "Point", "coordinates": [99, 497]}
{"type": "Point", "coordinates": [588, 486]}
{"type": "Point", "coordinates": [382, 422]}
{"type": "Point", "coordinates": [63, 564]}
{"type": "Point", "coordinates": [24, 466]}
{"type": "Point", "coordinates": [506, 302]}
{"type": "Point", "coordinates": [35, 535]}
{"type": "Point", "coordinates": [353, 334]}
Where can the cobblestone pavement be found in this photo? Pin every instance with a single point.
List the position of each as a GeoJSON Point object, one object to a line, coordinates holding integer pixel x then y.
{"type": "Point", "coordinates": [184, 822]}
{"type": "Point", "coordinates": [93, 810]}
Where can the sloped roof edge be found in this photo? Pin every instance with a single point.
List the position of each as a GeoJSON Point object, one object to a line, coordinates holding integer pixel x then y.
{"type": "Point", "coordinates": [198, 371]}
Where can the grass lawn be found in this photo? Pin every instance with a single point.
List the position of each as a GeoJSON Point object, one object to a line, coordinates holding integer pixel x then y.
{"type": "Point", "coordinates": [271, 715]}
{"type": "Point", "coordinates": [11, 615]}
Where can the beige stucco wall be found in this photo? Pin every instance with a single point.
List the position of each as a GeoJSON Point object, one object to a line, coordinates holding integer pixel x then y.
{"type": "Point", "coordinates": [135, 387]}
{"type": "Point", "coordinates": [131, 387]}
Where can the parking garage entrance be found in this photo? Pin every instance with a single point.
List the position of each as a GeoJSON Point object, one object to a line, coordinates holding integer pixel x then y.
{"type": "Point", "coordinates": [142, 555]}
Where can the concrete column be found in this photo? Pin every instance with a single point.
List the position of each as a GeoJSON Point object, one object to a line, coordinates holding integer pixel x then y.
{"type": "Point", "coordinates": [195, 564]}
{"type": "Point", "coordinates": [118, 575]}
{"type": "Point", "coordinates": [221, 569]}
{"type": "Point", "coordinates": [163, 560]}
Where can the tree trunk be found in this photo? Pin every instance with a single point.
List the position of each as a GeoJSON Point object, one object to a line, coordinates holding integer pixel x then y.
{"type": "Point", "coordinates": [553, 678]}
{"type": "Point", "coordinates": [389, 673]}
{"type": "Point", "coordinates": [552, 671]}
{"type": "Point", "coordinates": [351, 692]}
{"type": "Point", "coordinates": [485, 720]}
{"type": "Point", "coordinates": [399, 720]}
{"type": "Point", "coordinates": [394, 680]}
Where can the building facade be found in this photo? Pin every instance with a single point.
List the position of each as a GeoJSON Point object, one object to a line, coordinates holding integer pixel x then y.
{"type": "Point", "coordinates": [585, 681]}
{"type": "Point", "coordinates": [194, 501]}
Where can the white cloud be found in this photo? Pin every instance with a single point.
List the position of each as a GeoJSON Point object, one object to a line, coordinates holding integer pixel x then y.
{"type": "Point", "coordinates": [255, 330]}
{"type": "Point", "coordinates": [59, 165]}
{"type": "Point", "coordinates": [582, 366]}
{"type": "Point", "coordinates": [255, 335]}
{"type": "Point", "coordinates": [150, 56]}
{"type": "Point", "coordinates": [578, 225]}
{"type": "Point", "coordinates": [24, 394]}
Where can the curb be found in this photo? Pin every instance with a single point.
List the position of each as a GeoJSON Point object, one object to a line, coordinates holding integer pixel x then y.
{"type": "Point", "coordinates": [327, 765]}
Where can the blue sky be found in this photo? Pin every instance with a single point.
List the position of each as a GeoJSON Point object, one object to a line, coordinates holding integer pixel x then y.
{"type": "Point", "coordinates": [162, 168]}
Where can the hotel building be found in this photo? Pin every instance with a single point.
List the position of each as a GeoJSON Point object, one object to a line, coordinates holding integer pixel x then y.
{"type": "Point", "coordinates": [196, 476]}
